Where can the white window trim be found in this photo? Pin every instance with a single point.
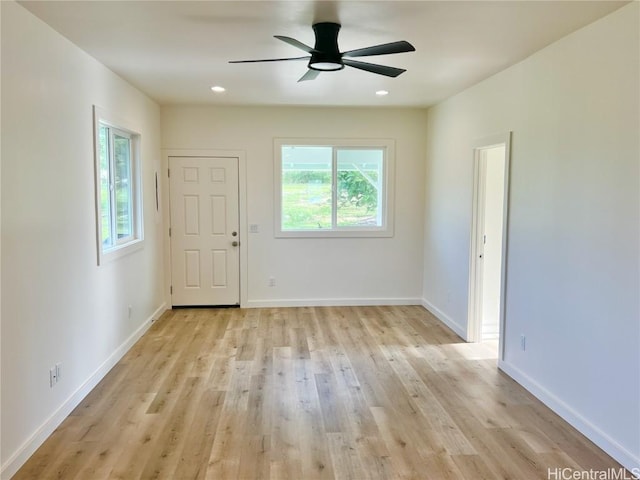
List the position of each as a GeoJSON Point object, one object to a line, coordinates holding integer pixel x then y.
{"type": "Point", "coordinates": [385, 230]}
{"type": "Point", "coordinates": [101, 116]}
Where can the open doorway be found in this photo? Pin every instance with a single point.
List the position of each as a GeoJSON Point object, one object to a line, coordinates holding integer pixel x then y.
{"type": "Point", "coordinates": [489, 241]}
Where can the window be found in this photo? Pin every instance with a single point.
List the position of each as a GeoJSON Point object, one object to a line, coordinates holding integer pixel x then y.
{"type": "Point", "coordinates": [118, 203]}
{"type": "Point", "coordinates": [334, 188]}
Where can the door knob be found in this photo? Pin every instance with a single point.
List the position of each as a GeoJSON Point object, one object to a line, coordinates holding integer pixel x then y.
{"type": "Point", "coordinates": [234, 234]}
{"type": "Point", "coordinates": [234, 243]}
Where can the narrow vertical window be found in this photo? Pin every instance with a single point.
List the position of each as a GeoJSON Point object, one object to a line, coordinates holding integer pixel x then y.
{"type": "Point", "coordinates": [122, 190]}
{"type": "Point", "coordinates": [118, 198]}
{"type": "Point", "coordinates": [105, 187]}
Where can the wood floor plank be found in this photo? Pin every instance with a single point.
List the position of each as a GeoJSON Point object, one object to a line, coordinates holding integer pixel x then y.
{"type": "Point", "coordinates": [247, 347]}
{"type": "Point", "coordinates": [227, 448]}
{"type": "Point", "coordinates": [375, 392]}
{"type": "Point", "coordinates": [333, 413]}
{"type": "Point", "coordinates": [139, 446]}
{"type": "Point", "coordinates": [346, 462]}
{"type": "Point", "coordinates": [199, 442]}
{"type": "Point", "coordinates": [259, 405]}
{"type": "Point", "coordinates": [163, 460]}
{"type": "Point", "coordinates": [285, 457]}
{"type": "Point", "coordinates": [299, 343]}
{"type": "Point", "coordinates": [71, 460]}
{"type": "Point", "coordinates": [443, 430]}
{"type": "Point", "coordinates": [375, 456]}
{"type": "Point", "coordinates": [567, 439]}
{"type": "Point", "coordinates": [473, 466]}
{"type": "Point", "coordinates": [315, 459]}
{"type": "Point", "coordinates": [255, 458]}
{"type": "Point", "coordinates": [405, 455]}
{"type": "Point", "coordinates": [102, 394]}
{"type": "Point", "coordinates": [109, 448]}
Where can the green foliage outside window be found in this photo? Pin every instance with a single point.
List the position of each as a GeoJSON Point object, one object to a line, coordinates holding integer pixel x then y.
{"type": "Point", "coordinates": [122, 185]}
{"type": "Point", "coordinates": [116, 189]}
{"type": "Point", "coordinates": [307, 179]}
{"type": "Point", "coordinates": [355, 190]}
{"type": "Point", "coordinates": [105, 197]}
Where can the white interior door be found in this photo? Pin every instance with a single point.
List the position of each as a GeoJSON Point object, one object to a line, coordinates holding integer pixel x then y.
{"type": "Point", "coordinates": [205, 235]}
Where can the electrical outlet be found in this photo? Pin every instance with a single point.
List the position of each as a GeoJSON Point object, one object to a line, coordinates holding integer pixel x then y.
{"type": "Point", "coordinates": [130, 310]}
{"type": "Point", "coordinates": [254, 228]}
{"type": "Point", "coordinates": [272, 282]}
{"type": "Point", "coordinates": [523, 342]}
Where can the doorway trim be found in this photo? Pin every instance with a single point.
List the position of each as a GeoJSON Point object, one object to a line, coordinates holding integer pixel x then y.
{"type": "Point", "coordinates": [474, 323]}
{"type": "Point", "coordinates": [242, 205]}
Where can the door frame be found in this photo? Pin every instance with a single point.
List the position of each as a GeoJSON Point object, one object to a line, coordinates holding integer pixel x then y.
{"type": "Point", "coordinates": [474, 321]}
{"type": "Point", "coordinates": [242, 209]}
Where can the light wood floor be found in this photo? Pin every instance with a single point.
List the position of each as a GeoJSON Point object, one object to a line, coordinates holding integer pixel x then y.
{"type": "Point", "coordinates": [305, 393]}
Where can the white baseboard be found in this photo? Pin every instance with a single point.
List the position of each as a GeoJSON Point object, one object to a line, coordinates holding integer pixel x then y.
{"type": "Point", "coordinates": [448, 321]}
{"type": "Point", "coordinates": [331, 302]}
{"type": "Point", "coordinates": [13, 463]}
{"type": "Point", "coordinates": [627, 459]}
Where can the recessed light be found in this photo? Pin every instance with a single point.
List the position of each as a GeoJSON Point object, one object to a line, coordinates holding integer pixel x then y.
{"type": "Point", "coordinates": [218, 89]}
{"type": "Point", "coordinates": [382, 93]}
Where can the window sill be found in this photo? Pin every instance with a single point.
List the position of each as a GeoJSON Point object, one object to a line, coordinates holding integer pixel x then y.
{"type": "Point", "coordinates": [119, 251]}
{"type": "Point", "coordinates": [373, 233]}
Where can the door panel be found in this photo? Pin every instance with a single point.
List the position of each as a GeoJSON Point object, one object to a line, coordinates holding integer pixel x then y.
{"type": "Point", "coordinates": [192, 268]}
{"type": "Point", "coordinates": [205, 265]}
{"type": "Point", "coordinates": [218, 215]}
{"type": "Point", "coordinates": [219, 269]}
{"type": "Point", "coordinates": [191, 215]}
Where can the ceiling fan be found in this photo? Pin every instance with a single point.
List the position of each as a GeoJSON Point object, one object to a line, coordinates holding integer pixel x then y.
{"type": "Point", "coordinates": [325, 56]}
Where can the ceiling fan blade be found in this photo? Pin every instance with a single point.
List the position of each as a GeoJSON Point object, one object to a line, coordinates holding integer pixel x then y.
{"type": "Point", "coordinates": [384, 49]}
{"type": "Point", "coordinates": [269, 60]}
{"type": "Point", "coordinates": [310, 75]}
{"type": "Point", "coordinates": [373, 68]}
{"type": "Point", "coordinates": [295, 43]}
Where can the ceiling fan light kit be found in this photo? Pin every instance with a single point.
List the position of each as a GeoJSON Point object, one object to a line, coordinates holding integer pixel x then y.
{"type": "Point", "coordinates": [325, 56]}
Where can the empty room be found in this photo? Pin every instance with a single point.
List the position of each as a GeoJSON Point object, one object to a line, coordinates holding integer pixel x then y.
{"type": "Point", "coordinates": [320, 239]}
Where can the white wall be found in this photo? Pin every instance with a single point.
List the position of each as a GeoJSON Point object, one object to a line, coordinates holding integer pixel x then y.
{"type": "Point", "coordinates": [57, 304]}
{"type": "Point", "coordinates": [573, 251]}
{"type": "Point", "coordinates": [317, 271]}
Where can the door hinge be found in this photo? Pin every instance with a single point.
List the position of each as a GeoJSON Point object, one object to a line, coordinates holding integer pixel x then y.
{"type": "Point", "coordinates": [171, 289]}
{"type": "Point", "coordinates": [168, 172]}
{"type": "Point", "coordinates": [169, 231]}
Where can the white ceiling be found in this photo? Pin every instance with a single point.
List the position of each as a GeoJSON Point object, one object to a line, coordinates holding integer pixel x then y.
{"type": "Point", "coordinates": [175, 50]}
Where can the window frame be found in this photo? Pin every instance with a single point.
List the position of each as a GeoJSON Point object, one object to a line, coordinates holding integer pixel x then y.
{"type": "Point", "coordinates": [387, 196]}
{"type": "Point", "coordinates": [135, 241]}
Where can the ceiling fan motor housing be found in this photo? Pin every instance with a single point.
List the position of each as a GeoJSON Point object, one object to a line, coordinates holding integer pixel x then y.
{"type": "Point", "coordinates": [326, 56]}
